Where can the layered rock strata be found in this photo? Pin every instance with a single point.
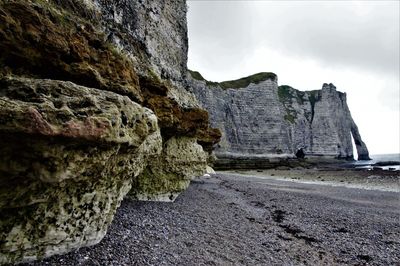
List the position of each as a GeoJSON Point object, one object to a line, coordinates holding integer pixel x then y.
{"type": "Point", "coordinates": [68, 157]}
{"type": "Point", "coordinates": [265, 125]}
{"type": "Point", "coordinates": [181, 159]}
{"type": "Point", "coordinates": [92, 101]}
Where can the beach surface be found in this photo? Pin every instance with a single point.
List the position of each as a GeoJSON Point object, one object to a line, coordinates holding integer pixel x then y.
{"type": "Point", "coordinates": [333, 176]}
{"type": "Point", "coordinates": [270, 217]}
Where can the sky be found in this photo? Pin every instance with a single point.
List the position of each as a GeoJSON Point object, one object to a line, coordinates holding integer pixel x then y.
{"type": "Point", "coordinates": [352, 44]}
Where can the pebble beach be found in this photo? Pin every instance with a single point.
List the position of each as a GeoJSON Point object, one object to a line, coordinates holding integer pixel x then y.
{"type": "Point", "coordinates": [245, 219]}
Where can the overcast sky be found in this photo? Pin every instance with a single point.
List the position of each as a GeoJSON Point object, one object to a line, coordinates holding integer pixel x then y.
{"type": "Point", "coordinates": [352, 44]}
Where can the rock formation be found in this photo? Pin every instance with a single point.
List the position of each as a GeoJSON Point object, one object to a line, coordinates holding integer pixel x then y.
{"type": "Point", "coordinates": [181, 159]}
{"type": "Point", "coordinates": [263, 124]}
{"type": "Point", "coordinates": [68, 157]}
{"type": "Point", "coordinates": [92, 104]}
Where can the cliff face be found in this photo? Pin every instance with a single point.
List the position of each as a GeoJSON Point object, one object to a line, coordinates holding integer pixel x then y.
{"type": "Point", "coordinates": [153, 35]}
{"type": "Point", "coordinates": [92, 106]}
{"type": "Point", "coordinates": [260, 119]}
{"type": "Point", "coordinates": [152, 32]}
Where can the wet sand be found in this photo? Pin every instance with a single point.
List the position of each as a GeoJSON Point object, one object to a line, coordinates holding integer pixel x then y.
{"type": "Point", "coordinates": [230, 219]}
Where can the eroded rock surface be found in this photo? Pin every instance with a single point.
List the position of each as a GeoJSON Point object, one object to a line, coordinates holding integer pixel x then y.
{"type": "Point", "coordinates": [91, 91]}
{"type": "Point", "coordinates": [181, 159]}
{"type": "Point", "coordinates": [68, 157]}
{"type": "Point", "coordinates": [151, 32]}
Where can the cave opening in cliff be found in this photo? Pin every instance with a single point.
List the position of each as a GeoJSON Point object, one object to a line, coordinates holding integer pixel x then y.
{"type": "Point", "coordinates": [300, 154]}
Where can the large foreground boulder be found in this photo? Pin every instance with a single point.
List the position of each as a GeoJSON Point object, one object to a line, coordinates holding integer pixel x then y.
{"type": "Point", "coordinates": [168, 175]}
{"type": "Point", "coordinates": [91, 91]}
{"type": "Point", "coordinates": [68, 156]}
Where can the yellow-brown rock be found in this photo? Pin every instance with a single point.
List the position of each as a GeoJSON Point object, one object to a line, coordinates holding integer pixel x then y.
{"type": "Point", "coordinates": [68, 157]}
{"type": "Point", "coordinates": [87, 99]}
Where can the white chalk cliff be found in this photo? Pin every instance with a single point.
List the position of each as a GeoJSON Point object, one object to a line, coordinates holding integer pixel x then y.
{"type": "Point", "coordinates": [260, 119]}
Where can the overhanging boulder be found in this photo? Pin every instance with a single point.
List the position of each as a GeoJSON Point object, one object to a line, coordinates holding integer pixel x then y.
{"type": "Point", "coordinates": [68, 157]}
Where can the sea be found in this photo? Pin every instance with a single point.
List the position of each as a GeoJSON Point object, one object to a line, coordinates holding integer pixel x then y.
{"type": "Point", "coordinates": [383, 161]}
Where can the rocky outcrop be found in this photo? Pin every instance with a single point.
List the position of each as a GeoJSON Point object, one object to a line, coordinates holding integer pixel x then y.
{"type": "Point", "coordinates": [321, 123]}
{"type": "Point", "coordinates": [68, 157]}
{"type": "Point", "coordinates": [154, 34]}
{"type": "Point", "coordinates": [265, 125]}
{"type": "Point", "coordinates": [92, 102]}
{"type": "Point", "coordinates": [151, 32]}
{"type": "Point", "coordinates": [181, 159]}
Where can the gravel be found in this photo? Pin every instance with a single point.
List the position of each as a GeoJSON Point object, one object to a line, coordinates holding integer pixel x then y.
{"type": "Point", "coordinates": [229, 219]}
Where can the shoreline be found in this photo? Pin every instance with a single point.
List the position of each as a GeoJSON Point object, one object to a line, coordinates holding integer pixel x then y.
{"type": "Point", "coordinates": [350, 178]}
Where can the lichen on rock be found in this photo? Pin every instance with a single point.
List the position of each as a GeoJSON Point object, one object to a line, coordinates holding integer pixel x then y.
{"type": "Point", "coordinates": [68, 158]}
{"type": "Point", "coordinates": [90, 93]}
{"type": "Point", "coordinates": [39, 39]}
{"type": "Point", "coordinates": [169, 174]}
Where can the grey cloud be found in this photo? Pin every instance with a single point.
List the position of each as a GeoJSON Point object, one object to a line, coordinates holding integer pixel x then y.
{"type": "Point", "coordinates": [364, 36]}
{"type": "Point", "coordinates": [335, 34]}
{"type": "Point", "coordinates": [218, 36]}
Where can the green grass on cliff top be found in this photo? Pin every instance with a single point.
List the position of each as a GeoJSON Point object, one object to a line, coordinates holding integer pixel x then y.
{"type": "Point", "coordinates": [236, 84]}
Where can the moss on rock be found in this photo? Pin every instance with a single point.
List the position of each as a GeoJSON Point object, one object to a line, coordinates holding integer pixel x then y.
{"type": "Point", "coordinates": [238, 83]}
{"type": "Point", "coordinates": [196, 75]}
{"type": "Point", "coordinates": [169, 174]}
{"type": "Point", "coordinates": [287, 94]}
{"type": "Point", "coordinates": [79, 124]}
{"type": "Point", "coordinates": [67, 159]}
{"type": "Point", "coordinates": [70, 49]}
